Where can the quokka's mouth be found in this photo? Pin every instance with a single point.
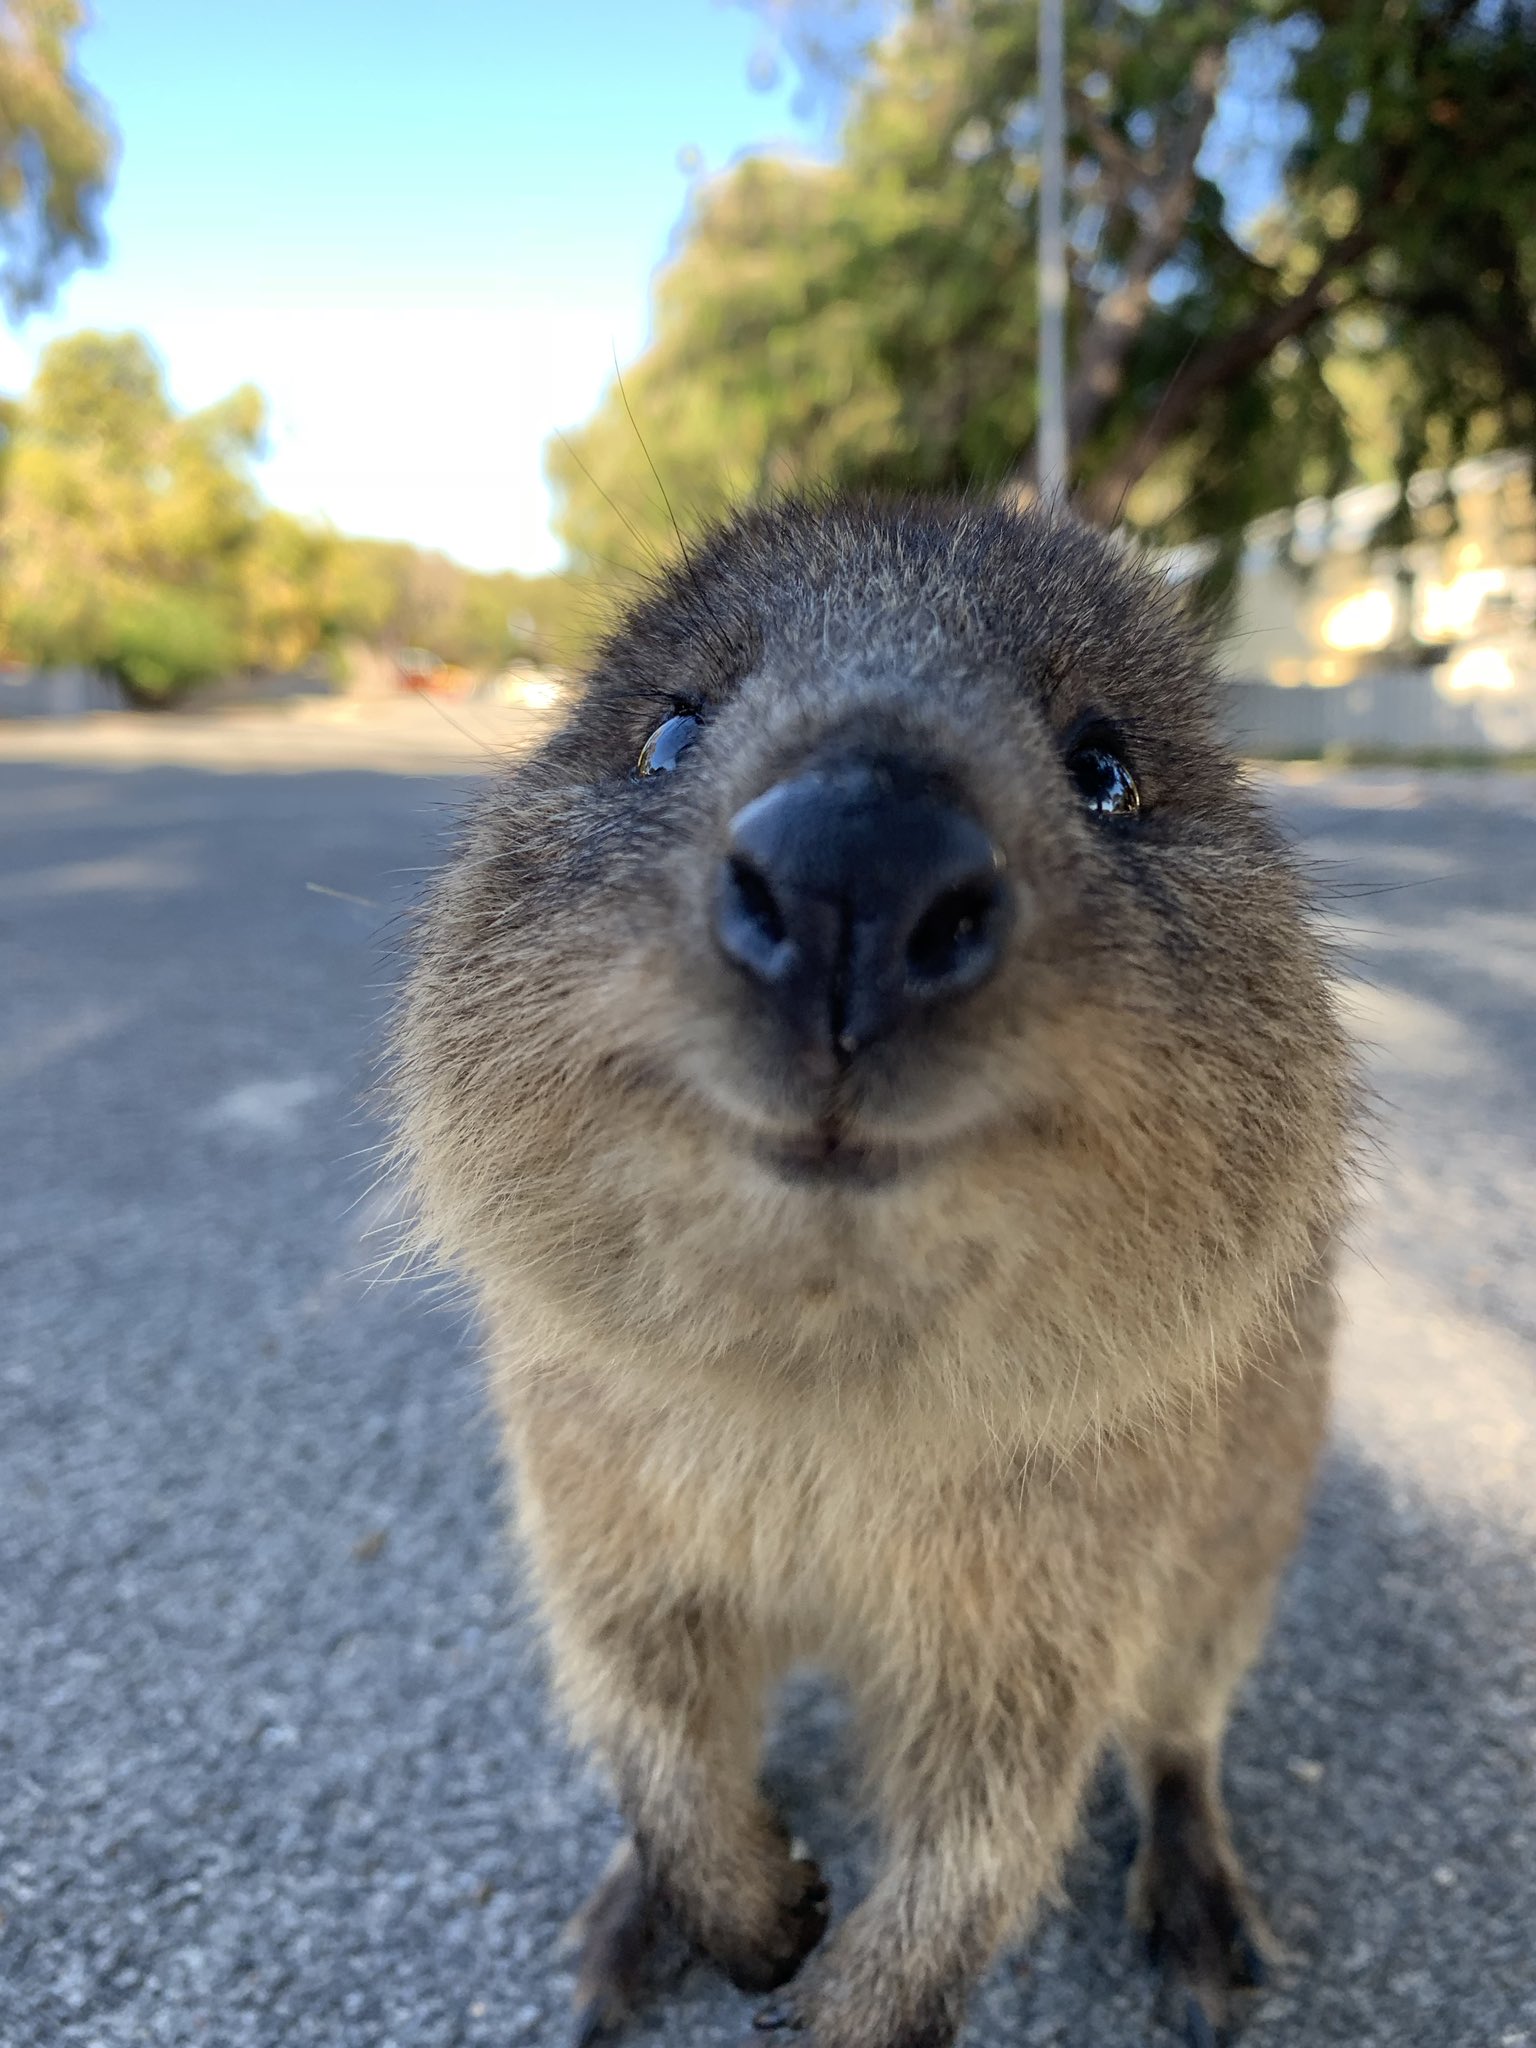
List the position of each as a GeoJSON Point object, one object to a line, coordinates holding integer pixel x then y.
{"type": "Point", "coordinates": [827, 1157]}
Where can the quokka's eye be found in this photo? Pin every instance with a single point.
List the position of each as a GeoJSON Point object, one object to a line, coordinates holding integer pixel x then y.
{"type": "Point", "coordinates": [668, 744]}
{"type": "Point", "coordinates": [1104, 781]}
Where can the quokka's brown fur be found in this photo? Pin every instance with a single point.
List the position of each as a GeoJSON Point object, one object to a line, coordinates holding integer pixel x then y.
{"type": "Point", "coordinates": [1017, 1441]}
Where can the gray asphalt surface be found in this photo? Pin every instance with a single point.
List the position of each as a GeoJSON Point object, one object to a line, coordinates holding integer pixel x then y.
{"type": "Point", "coordinates": [275, 1764]}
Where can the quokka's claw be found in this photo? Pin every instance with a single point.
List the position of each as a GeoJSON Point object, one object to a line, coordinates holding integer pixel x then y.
{"type": "Point", "coordinates": [1198, 2030]}
{"type": "Point", "coordinates": [1249, 1969]}
{"type": "Point", "coordinates": [593, 2024]}
{"type": "Point", "coordinates": [775, 2019]}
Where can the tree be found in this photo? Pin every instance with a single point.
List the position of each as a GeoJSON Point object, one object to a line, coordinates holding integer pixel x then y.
{"type": "Point", "coordinates": [133, 540]}
{"type": "Point", "coordinates": [1279, 212]}
{"type": "Point", "coordinates": [57, 151]}
{"type": "Point", "coordinates": [125, 524]}
{"type": "Point", "coordinates": [391, 594]}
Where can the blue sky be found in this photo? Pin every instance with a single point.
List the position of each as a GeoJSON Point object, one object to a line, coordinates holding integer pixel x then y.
{"type": "Point", "coordinates": [422, 229]}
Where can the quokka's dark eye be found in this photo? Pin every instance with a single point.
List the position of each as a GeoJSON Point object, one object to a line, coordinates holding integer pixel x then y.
{"type": "Point", "coordinates": [1104, 782]}
{"type": "Point", "coordinates": [668, 744]}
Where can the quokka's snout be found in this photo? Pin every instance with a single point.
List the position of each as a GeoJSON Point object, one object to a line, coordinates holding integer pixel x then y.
{"type": "Point", "coordinates": [874, 1064]}
{"type": "Point", "coordinates": [857, 897]}
{"type": "Point", "coordinates": [855, 894]}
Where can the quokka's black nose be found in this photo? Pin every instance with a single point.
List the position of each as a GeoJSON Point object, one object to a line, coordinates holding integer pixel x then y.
{"type": "Point", "coordinates": [854, 897]}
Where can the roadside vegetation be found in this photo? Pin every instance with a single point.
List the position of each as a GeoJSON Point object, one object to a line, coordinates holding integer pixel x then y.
{"type": "Point", "coordinates": [1303, 251]}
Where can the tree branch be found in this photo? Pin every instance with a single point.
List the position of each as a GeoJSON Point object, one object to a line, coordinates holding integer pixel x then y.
{"type": "Point", "coordinates": [1114, 153]}
{"type": "Point", "coordinates": [1237, 354]}
{"type": "Point", "coordinates": [1231, 356]}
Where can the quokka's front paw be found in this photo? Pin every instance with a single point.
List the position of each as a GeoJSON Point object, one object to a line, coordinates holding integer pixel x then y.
{"type": "Point", "coordinates": [764, 1951]}
{"type": "Point", "coordinates": [795, 2023]}
{"type": "Point", "coordinates": [856, 2001]}
{"type": "Point", "coordinates": [1188, 1899]}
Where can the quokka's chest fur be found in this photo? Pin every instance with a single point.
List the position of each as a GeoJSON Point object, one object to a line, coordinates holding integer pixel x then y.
{"type": "Point", "coordinates": [878, 1540]}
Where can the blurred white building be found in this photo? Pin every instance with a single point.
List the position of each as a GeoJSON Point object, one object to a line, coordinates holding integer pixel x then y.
{"type": "Point", "coordinates": [1427, 641]}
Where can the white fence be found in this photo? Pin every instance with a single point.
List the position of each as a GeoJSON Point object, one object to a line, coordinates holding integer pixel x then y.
{"type": "Point", "coordinates": [1394, 711]}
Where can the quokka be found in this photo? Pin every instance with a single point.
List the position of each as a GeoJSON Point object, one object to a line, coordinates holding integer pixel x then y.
{"type": "Point", "coordinates": [874, 1067]}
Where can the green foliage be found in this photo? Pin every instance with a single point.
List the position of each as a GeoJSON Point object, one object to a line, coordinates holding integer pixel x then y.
{"type": "Point", "coordinates": [56, 151]}
{"type": "Point", "coordinates": [133, 540]}
{"type": "Point", "coordinates": [1303, 247]}
{"type": "Point", "coordinates": [762, 366]}
{"type": "Point", "coordinates": [162, 640]}
{"type": "Point", "coordinates": [395, 595]}
{"type": "Point", "coordinates": [124, 523]}
{"type": "Point", "coordinates": [132, 537]}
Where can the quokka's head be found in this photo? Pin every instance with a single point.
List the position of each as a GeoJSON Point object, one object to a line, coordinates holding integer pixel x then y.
{"type": "Point", "coordinates": [885, 953]}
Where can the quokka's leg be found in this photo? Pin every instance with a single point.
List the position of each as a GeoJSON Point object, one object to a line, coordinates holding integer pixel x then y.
{"type": "Point", "coordinates": [671, 1697]}
{"type": "Point", "coordinates": [1188, 1895]}
{"type": "Point", "coordinates": [980, 1790]}
{"type": "Point", "coordinates": [667, 1686]}
{"type": "Point", "coordinates": [1187, 1891]}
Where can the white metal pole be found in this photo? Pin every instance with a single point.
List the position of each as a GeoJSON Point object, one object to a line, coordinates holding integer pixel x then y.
{"type": "Point", "coordinates": [1051, 434]}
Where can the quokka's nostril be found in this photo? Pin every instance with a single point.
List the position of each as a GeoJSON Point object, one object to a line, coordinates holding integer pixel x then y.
{"type": "Point", "coordinates": [755, 901]}
{"type": "Point", "coordinates": [752, 928]}
{"type": "Point", "coordinates": [955, 939]}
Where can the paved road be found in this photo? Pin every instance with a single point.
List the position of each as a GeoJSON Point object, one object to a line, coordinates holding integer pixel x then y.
{"type": "Point", "coordinates": [275, 1766]}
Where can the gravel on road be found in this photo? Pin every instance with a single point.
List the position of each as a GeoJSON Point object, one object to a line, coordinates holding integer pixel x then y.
{"type": "Point", "coordinates": [276, 1765]}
